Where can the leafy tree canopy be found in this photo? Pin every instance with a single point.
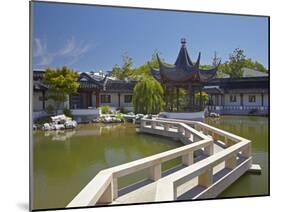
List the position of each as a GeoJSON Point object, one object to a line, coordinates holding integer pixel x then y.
{"type": "Point", "coordinates": [234, 67]}
{"type": "Point", "coordinates": [61, 82]}
{"type": "Point", "coordinates": [144, 70]}
{"type": "Point", "coordinates": [125, 71]}
{"type": "Point", "coordinates": [148, 96]}
{"type": "Point", "coordinates": [237, 61]}
{"type": "Point", "coordinates": [254, 65]}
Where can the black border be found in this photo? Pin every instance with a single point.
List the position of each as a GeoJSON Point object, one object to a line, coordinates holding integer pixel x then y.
{"type": "Point", "coordinates": [142, 8]}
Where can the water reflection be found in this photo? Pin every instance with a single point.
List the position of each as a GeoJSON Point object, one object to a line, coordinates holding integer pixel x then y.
{"type": "Point", "coordinates": [87, 130]}
{"type": "Point", "coordinates": [60, 135]}
{"type": "Point", "coordinates": [255, 129]}
{"type": "Point", "coordinates": [65, 161]}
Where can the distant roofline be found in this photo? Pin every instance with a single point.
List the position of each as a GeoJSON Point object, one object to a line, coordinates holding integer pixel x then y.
{"type": "Point", "coordinates": [43, 70]}
{"type": "Point", "coordinates": [239, 79]}
{"type": "Point", "coordinates": [39, 70]}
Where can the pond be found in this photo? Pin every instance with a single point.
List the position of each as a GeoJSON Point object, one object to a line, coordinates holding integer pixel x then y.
{"type": "Point", "coordinates": [64, 162]}
{"type": "Point", "coordinates": [255, 129]}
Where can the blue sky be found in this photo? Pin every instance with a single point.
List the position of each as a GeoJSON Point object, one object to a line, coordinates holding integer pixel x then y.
{"type": "Point", "coordinates": [92, 38]}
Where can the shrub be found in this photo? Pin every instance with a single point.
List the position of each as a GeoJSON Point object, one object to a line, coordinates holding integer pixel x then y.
{"type": "Point", "coordinates": [119, 116]}
{"type": "Point", "coordinates": [50, 109]}
{"type": "Point", "coordinates": [105, 109]}
{"type": "Point", "coordinates": [123, 110]}
{"type": "Point", "coordinates": [67, 112]}
{"type": "Point", "coordinates": [42, 120]}
{"type": "Point", "coordinates": [253, 111]}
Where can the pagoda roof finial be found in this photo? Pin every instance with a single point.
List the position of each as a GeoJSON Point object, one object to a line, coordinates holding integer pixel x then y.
{"type": "Point", "coordinates": [183, 41]}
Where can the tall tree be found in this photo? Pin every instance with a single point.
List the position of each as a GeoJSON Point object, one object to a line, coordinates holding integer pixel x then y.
{"type": "Point", "coordinates": [148, 96]}
{"type": "Point", "coordinates": [61, 83]}
{"type": "Point", "coordinates": [234, 67]}
{"type": "Point", "coordinates": [254, 65]}
{"type": "Point", "coordinates": [144, 70]}
{"type": "Point", "coordinates": [125, 71]}
{"type": "Point", "coordinates": [216, 60]}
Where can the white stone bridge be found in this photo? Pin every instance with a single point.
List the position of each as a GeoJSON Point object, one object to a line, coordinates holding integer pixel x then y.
{"type": "Point", "coordinates": [211, 160]}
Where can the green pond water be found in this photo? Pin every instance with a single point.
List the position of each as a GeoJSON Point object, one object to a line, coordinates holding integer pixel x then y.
{"type": "Point", "coordinates": [64, 162]}
{"type": "Point", "coordinates": [256, 129]}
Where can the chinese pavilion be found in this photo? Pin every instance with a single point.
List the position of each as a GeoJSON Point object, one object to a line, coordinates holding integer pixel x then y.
{"type": "Point", "coordinates": [183, 74]}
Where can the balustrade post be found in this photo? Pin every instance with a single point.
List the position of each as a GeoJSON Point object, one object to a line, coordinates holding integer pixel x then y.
{"type": "Point", "coordinates": [114, 188]}
{"type": "Point", "coordinates": [196, 138]}
{"type": "Point", "coordinates": [231, 162]}
{"type": "Point", "coordinates": [205, 131]}
{"type": "Point", "coordinates": [206, 179]}
{"type": "Point", "coordinates": [166, 126]}
{"type": "Point", "coordinates": [247, 151]}
{"type": "Point", "coordinates": [180, 129]}
{"type": "Point", "coordinates": [187, 159]}
{"type": "Point", "coordinates": [187, 134]}
{"type": "Point", "coordinates": [143, 123]}
{"type": "Point", "coordinates": [155, 172]}
{"type": "Point", "coordinates": [106, 196]}
{"type": "Point", "coordinates": [226, 141]}
{"type": "Point", "coordinates": [215, 136]}
{"type": "Point", "coordinates": [209, 150]}
{"type": "Point", "coordinates": [153, 124]}
{"type": "Point", "coordinates": [191, 138]}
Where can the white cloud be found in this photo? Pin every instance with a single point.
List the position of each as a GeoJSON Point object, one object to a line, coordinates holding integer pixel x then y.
{"type": "Point", "coordinates": [69, 47]}
{"type": "Point", "coordinates": [40, 51]}
{"type": "Point", "coordinates": [74, 49]}
{"type": "Point", "coordinates": [69, 53]}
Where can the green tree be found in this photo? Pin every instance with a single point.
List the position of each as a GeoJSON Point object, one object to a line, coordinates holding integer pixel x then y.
{"type": "Point", "coordinates": [234, 67]}
{"type": "Point", "coordinates": [144, 70]}
{"type": "Point", "coordinates": [254, 65]}
{"type": "Point", "coordinates": [205, 67]}
{"type": "Point", "coordinates": [61, 83]}
{"type": "Point", "coordinates": [148, 96]}
{"type": "Point", "coordinates": [216, 60]}
{"type": "Point", "coordinates": [260, 67]}
{"type": "Point", "coordinates": [125, 71]}
{"type": "Point", "coordinates": [204, 99]}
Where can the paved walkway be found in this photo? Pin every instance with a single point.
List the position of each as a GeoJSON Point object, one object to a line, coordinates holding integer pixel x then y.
{"type": "Point", "coordinates": [144, 191]}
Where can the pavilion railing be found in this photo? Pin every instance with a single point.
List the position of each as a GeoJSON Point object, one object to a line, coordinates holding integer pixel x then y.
{"type": "Point", "coordinates": [245, 108]}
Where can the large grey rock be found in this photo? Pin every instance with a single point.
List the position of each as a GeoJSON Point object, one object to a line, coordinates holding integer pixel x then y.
{"type": "Point", "coordinates": [59, 126]}
{"type": "Point", "coordinates": [70, 124]}
{"type": "Point", "coordinates": [46, 126]}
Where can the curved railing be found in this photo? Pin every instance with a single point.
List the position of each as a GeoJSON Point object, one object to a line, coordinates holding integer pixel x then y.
{"type": "Point", "coordinates": [104, 186]}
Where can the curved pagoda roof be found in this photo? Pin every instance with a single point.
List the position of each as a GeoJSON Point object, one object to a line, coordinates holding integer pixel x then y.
{"type": "Point", "coordinates": [184, 70]}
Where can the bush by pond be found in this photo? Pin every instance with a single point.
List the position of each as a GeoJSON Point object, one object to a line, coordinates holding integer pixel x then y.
{"type": "Point", "coordinates": [105, 109]}
{"type": "Point", "coordinates": [43, 120]}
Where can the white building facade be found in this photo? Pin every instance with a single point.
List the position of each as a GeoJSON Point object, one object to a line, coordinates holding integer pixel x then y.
{"type": "Point", "coordinates": [243, 96]}
{"type": "Point", "coordinates": [94, 91]}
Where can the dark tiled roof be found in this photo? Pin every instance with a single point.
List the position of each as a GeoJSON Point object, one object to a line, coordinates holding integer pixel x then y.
{"type": "Point", "coordinates": [38, 75]}
{"type": "Point", "coordinates": [241, 83]}
{"type": "Point", "coordinates": [184, 70]}
{"type": "Point", "coordinates": [39, 86]}
{"type": "Point", "coordinates": [105, 83]}
{"type": "Point", "coordinates": [120, 85]}
{"type": "Point", "coordinates": [90, 80]}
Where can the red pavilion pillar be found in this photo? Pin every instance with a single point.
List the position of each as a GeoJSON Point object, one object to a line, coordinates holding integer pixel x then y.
{"type": "Point", "coordinates": [178, 104]}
